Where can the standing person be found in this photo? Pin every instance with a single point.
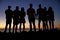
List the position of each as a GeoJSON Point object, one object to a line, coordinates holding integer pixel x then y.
{"type": "Point", "coordinates": [8, 14]}
{"type": "Point", "coordinates": [22, 18]}
{"type": "Point", "coordinates": [16, 18]}
{"type": "Point", "coordinates": [40, 15]}
{"type": "Point", "coordinates": [45, 18]}
{"type": "Point", "coordinates": [31, 13]}
{"type": "Point", "coordinates": [51, 17]}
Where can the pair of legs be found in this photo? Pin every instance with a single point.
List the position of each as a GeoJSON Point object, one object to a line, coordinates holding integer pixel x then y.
{"type": "Point", "coordinates": [32, 21]}
{"type": "Point", "coordinates": [43, 24]}
{"type": "Point", "coordinates": [7, 26]}
{"type": "Point", "coordinates": [46, 24]}
{"type": "Point", "coordinates": [51, 24]}
{"type": "Point", "coordinates": [33, 26]}
{"type": "Point", "coordinates": [39, 24]}
{"type": "Point", "coordinates": [15, 25]}
{"type": "Point", "coordinates": [23, 26]}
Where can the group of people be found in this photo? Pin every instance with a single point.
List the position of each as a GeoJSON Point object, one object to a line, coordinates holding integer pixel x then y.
{"type": "Point", "coordinates": [18, 17]}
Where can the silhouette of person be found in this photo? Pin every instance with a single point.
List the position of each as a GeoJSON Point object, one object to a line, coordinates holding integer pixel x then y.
{"type": "Point", "coordinates": [31, 18]}
{"type": "Point", "coordinates": [16, 18]}
{"type": "Point", "coordinates": [51, 17]}
{"type": "Point", "coordinates": [45, 18]}
{"type": "Point", "coordinates": [8, 14]}
{"type": "Point", "coordinates": [40, 15]}
{"type": "Point", "coordinates": [22, 18]}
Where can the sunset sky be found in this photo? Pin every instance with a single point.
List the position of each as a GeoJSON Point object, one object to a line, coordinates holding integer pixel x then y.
{"type": "Point", "coordinates": [25, 3]}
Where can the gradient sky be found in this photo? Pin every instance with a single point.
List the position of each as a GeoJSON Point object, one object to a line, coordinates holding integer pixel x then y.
{"type": "Point", "coordinates": [25, 3]}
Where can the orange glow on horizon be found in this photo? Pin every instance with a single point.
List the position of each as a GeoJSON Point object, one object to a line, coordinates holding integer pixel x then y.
{"type": "Point", "coordinates": [2, 25]}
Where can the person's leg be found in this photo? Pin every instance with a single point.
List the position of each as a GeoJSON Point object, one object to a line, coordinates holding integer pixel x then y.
{"type": "Point", "coordinates": [9, 27]}
{"type": "Point", "coordinates": [30, 26]}
{"type": "Point", "coordinates": [6, 27]}
{"type": "Point", "coordinates": [23, 26]}
{"type": "Point", "coordinates": [16, 28]}
{"type": "Point", "coordinates": [13, 27]}
{"type": "Point", "coordinates": [20, 27]}
{"type": "Point", "coordinates": [39, 24]}
{"type": "Point", "coordinates": [52, 24]}
{"type": "Point", "coordinates": [44, 25]}
{"type": "Point", "coordinates": [34, 26]}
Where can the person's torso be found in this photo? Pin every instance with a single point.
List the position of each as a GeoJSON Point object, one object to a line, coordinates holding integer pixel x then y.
{"type": "Point", "coordinates": [8, 14]}
{"type": "Point", "coordinates": [22, 14]}
{"type": "Point", "coordinates": [16, 14]}
{"type": "Point", "coordinates": [41, 12]}
{"type": "Point", "coordinates": [31, 12]}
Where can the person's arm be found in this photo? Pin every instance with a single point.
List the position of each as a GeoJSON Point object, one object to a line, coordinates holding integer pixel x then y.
{"type": "Point", "coordinates": [5, 13]}
{"type": "Point", "coordinates": [53, 15]}
{"type": "Point", "coordinates": [37, 12]}
{"type": "Point", "coordinates": [24, 14]}
{"type": "Point", "coordinates": [28, 12]}
{"type": "Point", "coordinates": [33, 11]}
{"type": "Point", "coordinates": [12, 13]}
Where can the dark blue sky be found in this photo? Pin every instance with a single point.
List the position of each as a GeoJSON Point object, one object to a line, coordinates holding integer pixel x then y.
{"type": "Point", "coordinates": [25, 3]}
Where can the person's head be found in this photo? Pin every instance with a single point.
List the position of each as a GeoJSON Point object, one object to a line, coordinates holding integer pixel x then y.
{"type": "Point", "coordinates": [50, 8]}
{"type": "Point", "coordinates": [17, 7]}
{"type": "Point", "coordinates": [45, 8]}
{"type": "Point", "coordinates": [39, 5]}
{"type": "Point", "coordinates": [22, 8]}
{"type": "Point", "coordinates": [9, 7]}
{"type": "Point", "coordinates": [30, 5]}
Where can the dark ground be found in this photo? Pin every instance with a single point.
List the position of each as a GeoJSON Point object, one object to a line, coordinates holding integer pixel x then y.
{"type": "Point", "coordinates": [46, 35]}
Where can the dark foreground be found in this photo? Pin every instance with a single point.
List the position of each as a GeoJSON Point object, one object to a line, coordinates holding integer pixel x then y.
{"type": "Point", "coordinates": [46, 35]}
